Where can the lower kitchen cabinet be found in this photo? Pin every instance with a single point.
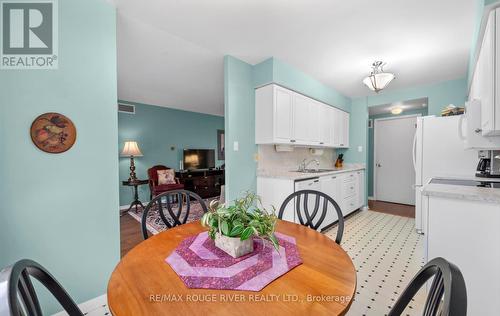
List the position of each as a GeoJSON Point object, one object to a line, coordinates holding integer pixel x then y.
{"type": "Point", "coordinates": [466, 233]}
{"type": "Point", "coordinates": [330, 185]}
{"type": "Point", "coordinates": [346, 188]}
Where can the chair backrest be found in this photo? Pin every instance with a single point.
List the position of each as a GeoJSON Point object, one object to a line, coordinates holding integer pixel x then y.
{"type": "Point", "coordinates": [153, 173]}
{"type": "Point", "coordinates": [177, 203]}
{"type": "Point", "coordinates": [18, 296]}
{"type": "Point", "coordinates": [447, 295]}
{"type": "Point", "coordinates": [314, 217]}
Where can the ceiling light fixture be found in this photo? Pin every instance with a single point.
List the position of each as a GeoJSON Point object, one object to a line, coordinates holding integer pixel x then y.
{"type": "Point", "coordinates": [378, 79]}
{"type": "Point", "coordinates": [397, 110]}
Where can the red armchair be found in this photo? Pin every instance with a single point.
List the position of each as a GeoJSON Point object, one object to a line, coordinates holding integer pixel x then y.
{"type": "Point", "coordinates": [156, 189]}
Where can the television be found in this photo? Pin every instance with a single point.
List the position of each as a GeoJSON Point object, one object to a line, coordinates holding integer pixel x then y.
{"type": "Point", "coordinates": [195, 159]}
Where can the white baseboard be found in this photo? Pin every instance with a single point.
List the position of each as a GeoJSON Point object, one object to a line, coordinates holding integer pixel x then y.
{"type": "Point", "coordinates": [371, 198]}
{"type": "Point", "coordinates": [365, 208]}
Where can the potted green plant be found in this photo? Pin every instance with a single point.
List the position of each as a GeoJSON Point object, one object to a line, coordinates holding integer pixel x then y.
{"type": "Point", "coordinates": [232, 227]}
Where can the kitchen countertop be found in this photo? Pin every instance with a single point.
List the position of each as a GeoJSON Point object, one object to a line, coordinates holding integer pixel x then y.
{"type": "Point", "coordinates": [480, 194]}
{"type": "Point", "coordinates": [294, 175]}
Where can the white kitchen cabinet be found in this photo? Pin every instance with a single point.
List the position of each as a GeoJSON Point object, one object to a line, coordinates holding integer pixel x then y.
{"type": "Point", "coordinates": [327, 123]}
{"type": "Point", "coordinates": [283, 116]}
{"type": "Point", "coordinates": [346, 188]}
{"type": "Point", "coordinates": [486, 73]}
{"type": "Point", "coordinates": [349, 192]}
{"type": "Point", "coordinates": [341, 129]}
{"type": "Point", "coordinates": [330, 185]}
{"type": "Point", "coordinates": [470, 129]}
{"type": "Point", "coordinates": [315, 111]}
{"type": "Point", "coordinates": [484, 85]}
{"type": "Point", "coordinates": [361, 188]}
{"type": "Point", "coordinates": [301, 119]}
{"type": "Point", "coordinates": [344, 135]}
{"type": "Point", "coordinates": [466, 233]}
{"type": "Point", "coordinates": [273, 192]}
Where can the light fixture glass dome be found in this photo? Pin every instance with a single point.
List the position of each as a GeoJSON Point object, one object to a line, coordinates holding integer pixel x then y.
{"type": "Point", "coordinates": [378, 79]}
{"type": "Point", "coordinates": [397, 110]}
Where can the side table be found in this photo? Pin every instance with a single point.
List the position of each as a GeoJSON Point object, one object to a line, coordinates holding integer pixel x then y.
{"type": "Point", "coordinates": [135, 184]}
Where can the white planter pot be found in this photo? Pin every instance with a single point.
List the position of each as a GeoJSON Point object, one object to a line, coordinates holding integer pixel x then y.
{"type": "Point", "coordinates": [233, 246]}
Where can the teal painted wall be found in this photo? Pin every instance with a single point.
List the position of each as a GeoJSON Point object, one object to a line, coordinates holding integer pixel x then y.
{"type": "Point", "coordinates": [62, 209]}
{"type": "Point", "coordinates": [157, 129]}
{"type": "Point", "coordinates": [240, 81]}
{"type": "Point", "coordinates": [422, 112]}
{"type": "Point", "coordinates": [239, 105]}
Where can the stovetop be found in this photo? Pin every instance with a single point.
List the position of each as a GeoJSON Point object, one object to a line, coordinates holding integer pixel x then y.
{"type": "Point", "coordinates": [471, 183]}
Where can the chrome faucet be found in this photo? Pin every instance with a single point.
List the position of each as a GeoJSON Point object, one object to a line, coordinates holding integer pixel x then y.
{"type": "Point", "coordinates": [303, 165]}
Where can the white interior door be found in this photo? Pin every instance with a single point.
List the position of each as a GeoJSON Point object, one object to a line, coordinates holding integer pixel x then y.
{"type": "Point", "coordinates": [394, 172]}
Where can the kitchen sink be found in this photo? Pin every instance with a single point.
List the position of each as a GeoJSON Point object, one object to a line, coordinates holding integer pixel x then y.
{"type": "Point", "coordinates": [314, 170]}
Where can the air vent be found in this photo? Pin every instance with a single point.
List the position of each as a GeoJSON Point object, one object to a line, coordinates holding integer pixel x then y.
{"type": "Point", "coordinates": [126, 108]}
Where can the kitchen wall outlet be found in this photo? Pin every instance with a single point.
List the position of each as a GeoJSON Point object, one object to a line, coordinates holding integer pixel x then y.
{"type": "Point", "coordinates": [360, 149]}
{"type": "Point", "coordinates": [236, 146]}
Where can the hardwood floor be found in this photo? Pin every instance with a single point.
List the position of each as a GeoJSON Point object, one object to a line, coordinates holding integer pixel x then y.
{"type": "Point", "coordinates": [392, 208]}
{"type": "Point", "coordinates": [130, 233]}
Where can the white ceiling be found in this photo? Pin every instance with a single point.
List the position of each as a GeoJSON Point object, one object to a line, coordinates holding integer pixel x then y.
{"type": "Point", "coordinates": [409, 105]}
{"type": "Point", "coordinates": [170, 53]}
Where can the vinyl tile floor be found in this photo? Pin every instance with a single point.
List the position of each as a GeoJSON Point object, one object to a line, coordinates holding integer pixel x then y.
{"type": "Point", "coordinates": [386, 251]}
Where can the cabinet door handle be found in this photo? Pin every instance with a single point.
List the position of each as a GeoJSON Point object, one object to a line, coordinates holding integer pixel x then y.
{"type": "Point", "coordinates": [292, 140]}
{"type": "Point", "coordinates": [321, 143]}
{"type": "Point", "coordinates": [341, 144]}
{"type": "Point", "coordinates": [334, 177]}
{"type": "Point", "coordinates": [478, 130]}
{"type": "Point", "coordinates": [316, 180]}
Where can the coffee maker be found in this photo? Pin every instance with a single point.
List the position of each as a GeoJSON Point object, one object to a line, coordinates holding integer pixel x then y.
{"type": "Point", "coordinates": [489, 164]}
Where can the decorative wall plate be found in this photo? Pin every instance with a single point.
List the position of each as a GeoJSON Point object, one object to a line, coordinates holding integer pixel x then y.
{"type": "Point", "coordinates": [53, 133]}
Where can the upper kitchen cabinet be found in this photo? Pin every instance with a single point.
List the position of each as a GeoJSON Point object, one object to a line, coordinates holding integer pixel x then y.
{"type": "Point", "coordinates": [341, 129]}
{"type": "Point", "coordinates": [326, 126]}
{"type": "Point", "coordinates": [301, 121]}
{"type": "Point", "coordinates": [484, 85]}
{"type": "Point", "coordinates": [283, 116]}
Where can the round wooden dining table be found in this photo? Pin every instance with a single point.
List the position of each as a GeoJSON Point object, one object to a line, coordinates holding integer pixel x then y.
{"type": "Point", "coordinates": [144, 284]}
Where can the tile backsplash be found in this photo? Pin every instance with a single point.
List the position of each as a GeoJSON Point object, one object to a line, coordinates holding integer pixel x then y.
{"type": "Point", "coordinates": [270, 159]}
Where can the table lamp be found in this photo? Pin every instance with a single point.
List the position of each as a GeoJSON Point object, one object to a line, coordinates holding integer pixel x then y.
{"type": "Point", "coordinates": [131, 149]}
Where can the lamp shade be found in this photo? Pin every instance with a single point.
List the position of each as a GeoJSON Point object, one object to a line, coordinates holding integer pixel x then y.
{"type": "Point", "coordinates": [377, 82]}
{"type": "Point", "coordinates": [378, 78]}
{"type": "Point", "coordinates": [131, 149]}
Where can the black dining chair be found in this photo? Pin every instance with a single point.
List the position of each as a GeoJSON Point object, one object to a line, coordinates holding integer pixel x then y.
{"type": "Point", "coordinates": [447, 295]}
{"type": "Point", "coordinates": [314, 217]}
{"type": "Point", "coordinates": [18, 296]}
{"type": "Point", "coordinates": [177, 203]}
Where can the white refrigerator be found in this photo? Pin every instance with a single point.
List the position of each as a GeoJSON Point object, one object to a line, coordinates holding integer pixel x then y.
{"type": "Point", "coordinates": [438, 151]}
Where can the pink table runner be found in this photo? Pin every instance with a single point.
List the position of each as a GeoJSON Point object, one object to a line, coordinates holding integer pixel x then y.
{"type": "Point", "coordinates": [201, 265]}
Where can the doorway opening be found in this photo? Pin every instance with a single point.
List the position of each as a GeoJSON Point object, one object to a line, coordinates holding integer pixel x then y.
{"type": "Point", "coordinates": [390, 155]}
